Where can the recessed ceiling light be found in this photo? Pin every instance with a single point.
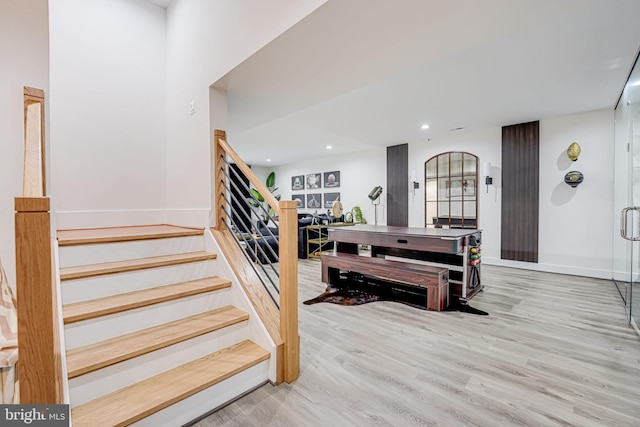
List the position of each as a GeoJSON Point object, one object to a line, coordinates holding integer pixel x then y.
{"type": "Point", "coordinates": [329, 147]}
{"type": "Point", "coordinates": [424, 126]}
{"type": "Point", "coordinates": [268, 160]}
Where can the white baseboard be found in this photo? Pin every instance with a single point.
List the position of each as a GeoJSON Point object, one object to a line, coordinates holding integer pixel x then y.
{"type": "Point", "coordinates": [117, 218]}
{"type": "Point", "coordinates": [110, 218]}
{"type": "Point", "coordinates": [550, 268]}
{"type": "Point", "coordinates": [188, 217]}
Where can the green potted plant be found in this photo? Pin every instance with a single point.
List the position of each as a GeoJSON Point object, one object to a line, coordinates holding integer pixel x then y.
{"type": "Point", "coordinates": [357, 215]}
{"type": "Point", "coordinates": [258, 200]}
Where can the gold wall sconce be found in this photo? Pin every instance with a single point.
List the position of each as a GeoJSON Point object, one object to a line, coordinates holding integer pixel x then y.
{"type": "Point", "coordinates": [574, 151]}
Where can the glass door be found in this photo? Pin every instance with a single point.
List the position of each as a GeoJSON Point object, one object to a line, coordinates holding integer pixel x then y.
{"type": "Point", "coordinates": [627, 197]}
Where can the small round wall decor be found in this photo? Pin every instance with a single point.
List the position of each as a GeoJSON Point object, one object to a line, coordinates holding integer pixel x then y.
{"type": "Point", "coordinates": [573, 178]}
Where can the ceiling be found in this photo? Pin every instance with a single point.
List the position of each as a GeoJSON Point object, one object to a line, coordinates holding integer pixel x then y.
{"type": "Point", "coordinates": [359, 74]}
{"type": "Point", "coordinates": [161, 3]}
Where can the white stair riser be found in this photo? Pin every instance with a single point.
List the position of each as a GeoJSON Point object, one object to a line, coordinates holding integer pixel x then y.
{"type": "Point", "coordinates": [120, 251]}
{"type": "Point", "coordinates": [103, 381]}
{"type": "Point", "coordinates": [95, 384]}
{"type": "Point", "coordinates": [113, 284]}
{"type": "Point", "coordinates": [193, 407]}
{"type": "Point", "coordinates": [105, 327]}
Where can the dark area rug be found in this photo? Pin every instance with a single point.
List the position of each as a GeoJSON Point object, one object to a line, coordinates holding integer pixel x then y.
{"type": "Point", "coordinates": [344, 296]}
{"type": "Point", "coordinates": [358, 292]}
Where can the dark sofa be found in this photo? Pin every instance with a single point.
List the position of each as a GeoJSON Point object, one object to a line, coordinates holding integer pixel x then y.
{"type": "Point", "coordinates": [267, 246]}
{"type": "Point", "coordinates": [304, 220]}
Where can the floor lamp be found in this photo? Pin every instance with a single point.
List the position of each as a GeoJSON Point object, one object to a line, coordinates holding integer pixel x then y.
{"type": "Point", "coordinates": [374, 196]}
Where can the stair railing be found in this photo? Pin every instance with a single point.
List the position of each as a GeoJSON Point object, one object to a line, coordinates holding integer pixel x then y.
{"type": "Point", "coordinates": [253, 234]}
{"type": "Point", "coordinates": [268, 238]}
{"type": "Point", "coordinates": [39, 324]}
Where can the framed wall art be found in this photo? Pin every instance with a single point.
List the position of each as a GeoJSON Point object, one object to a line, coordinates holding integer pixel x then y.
{"type": "Point", "coordinates": [299, 198]}
{"type": "Point", "coordinates": [314, 201]}
{"type": "Point", "coordinates": [332, 179]}
{"type": "Point", "coordinates": [314, 180]}
{"type": "Point", "coordinates": [297, 182]}
{"type": "Point", "coordinates": [329, 198]}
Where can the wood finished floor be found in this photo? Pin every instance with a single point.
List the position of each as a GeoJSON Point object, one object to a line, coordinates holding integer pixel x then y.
{"type": "Point", "coordinates": [555, 351]}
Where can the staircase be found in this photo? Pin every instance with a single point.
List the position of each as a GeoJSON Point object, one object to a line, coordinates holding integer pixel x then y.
{"type": "Point", "coordinates": [154, 337]}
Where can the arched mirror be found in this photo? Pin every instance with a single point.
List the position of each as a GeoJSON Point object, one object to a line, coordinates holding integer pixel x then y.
{"type": "Point", "coordinates": [451, 188]}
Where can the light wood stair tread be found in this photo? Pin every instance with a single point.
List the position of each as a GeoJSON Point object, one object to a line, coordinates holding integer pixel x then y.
{"type": "Point", "coordinates": [91, 270]}
{"type": "Point", "coordinates": [142, 399]}
{"type": "Point", "coordinates": [99, 355]}
{"type": "Point", "coordinates": [91, 309]}
{"type": "Point", "coordinates": [83, 236]}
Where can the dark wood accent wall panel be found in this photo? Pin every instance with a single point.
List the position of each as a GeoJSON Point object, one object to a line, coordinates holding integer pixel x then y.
{"type": "Point", "coordinates": [520, 191]}
{"type": "Point", "coordinates": [397, 185]}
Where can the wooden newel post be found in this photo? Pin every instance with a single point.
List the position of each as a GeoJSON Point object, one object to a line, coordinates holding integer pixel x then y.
{"type": "Point", "coordinates": [40, 370]}
{"type": "Point", "coordinates": [219, 189]}
{"type": "Point", "coordinates": [288, 224]}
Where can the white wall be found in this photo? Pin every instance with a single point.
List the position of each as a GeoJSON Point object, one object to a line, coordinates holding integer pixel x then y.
{"type": "Point", "coordinates": [575, 236]}
{"type": "Point", "coordinates": [359, 173]}
{"type": "Point", "coordinates": [24, 61]}
{"type": "Point", "coordinates": [205, 40]}
{"type": "Point", "coordinates": [487, 146]}
{"type": "Point", "coordinates": [127, 148]}
{"type": "Point", "coordinates": [575, 224]}
{"type": "Point", "coordinates": [108, 112]}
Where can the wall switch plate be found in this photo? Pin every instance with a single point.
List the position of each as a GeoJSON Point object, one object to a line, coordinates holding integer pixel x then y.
{"type": "Point", "coordinates": [192, 107]}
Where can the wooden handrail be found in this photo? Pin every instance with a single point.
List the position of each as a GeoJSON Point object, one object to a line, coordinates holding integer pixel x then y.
{"type": "Point", "coordinates": [288, 363]}
{"type": "Point", "coordinates": [39, 352]}
{"type": "Point", "coordinates": [246, 170]}
{"type": "Point", "coordinates": [39, 345]}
